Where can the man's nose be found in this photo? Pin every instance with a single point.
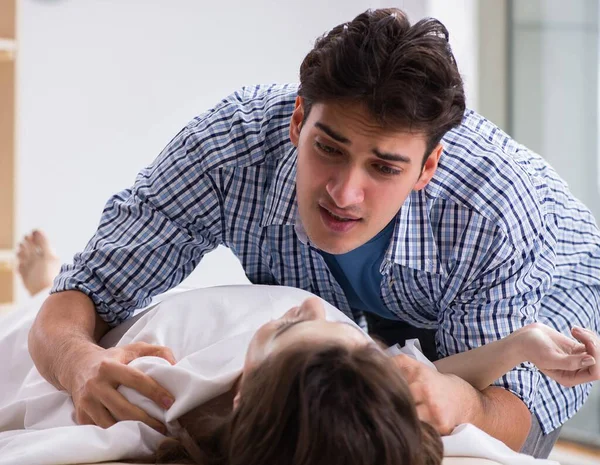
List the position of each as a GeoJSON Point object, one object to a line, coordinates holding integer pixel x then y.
{"type": "Point", "coordinates": [346, 188]}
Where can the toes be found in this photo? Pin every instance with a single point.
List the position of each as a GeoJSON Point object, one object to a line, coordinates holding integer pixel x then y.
{"type": "Point", "coordinates": [26, 245]}
{"type": "Point", "coordinates": [24, 251]}
{"type": "Point", "coordinates": [40, 240]}
{"type": "Point", "coordinates": [28, 249]}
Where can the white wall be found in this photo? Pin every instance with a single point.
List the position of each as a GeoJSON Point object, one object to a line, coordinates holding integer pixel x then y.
{"type": "Point", "coordinates": [460, 18]}
{"type": "Point", "coordinates": [105, 84]}
{"type": "Point", "coordinates": [555, 89]}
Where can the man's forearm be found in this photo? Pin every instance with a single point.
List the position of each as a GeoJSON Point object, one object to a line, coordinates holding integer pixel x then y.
{"type": "Point", "coordinates": [66, 327]}
{"type": "Point", "coordinates": [502, 415]}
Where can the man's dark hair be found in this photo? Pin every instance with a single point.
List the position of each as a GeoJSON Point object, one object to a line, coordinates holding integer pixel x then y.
{"type": "Point", "coordinates": [406, 76]}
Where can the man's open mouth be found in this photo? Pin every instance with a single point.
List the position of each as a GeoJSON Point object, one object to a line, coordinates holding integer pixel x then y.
{"type": "Point", "coordinates": [339, 218]}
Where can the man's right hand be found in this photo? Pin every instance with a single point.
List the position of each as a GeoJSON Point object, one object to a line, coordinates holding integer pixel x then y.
{"type": "Point", "coordinates": [99, 372]}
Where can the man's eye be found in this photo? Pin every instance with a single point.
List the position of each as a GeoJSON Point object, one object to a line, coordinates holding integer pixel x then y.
{"type": "Point", "coordinates": [325, 148]}
{"type": "Point", "coordinates": [387, 170]}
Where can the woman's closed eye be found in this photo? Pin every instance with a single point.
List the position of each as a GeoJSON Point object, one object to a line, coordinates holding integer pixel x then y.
{"type": "Point", "coordinates": [285, 324]}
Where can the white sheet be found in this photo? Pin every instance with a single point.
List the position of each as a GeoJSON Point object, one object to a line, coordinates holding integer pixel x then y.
{"type": "Point", "coordinates": [208, 331]}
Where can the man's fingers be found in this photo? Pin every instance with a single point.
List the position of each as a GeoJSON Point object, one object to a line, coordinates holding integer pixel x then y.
{"type": "Point", "coordinates": [418, 393]}
{"type": "Point", "coordinates": [408, 366]}
{"type": "Point", "coordinates": [424, 414]}
{"type": "Point", "coordinates": [83, 418]}
{"type": "Point", "coordinates": [404, 361]}
{"type": "Point", "coordinates": [142, 383]}
{"type": "Point", "coordinates": [123, 410]}
{"type": "Point", "coordinates": [96, 414]}
{"type": "Point", "coordinates": [163, 352]}
{"type": "Point", "coordinates": [143, 349]}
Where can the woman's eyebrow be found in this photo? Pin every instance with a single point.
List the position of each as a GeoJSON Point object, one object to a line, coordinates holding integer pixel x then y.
{"type": "Point", "coordinates": [356, 328]}
{"type": "Point", "coordinates": [283, 328]}
{"type": "Point", "coordinates": [291, 324]}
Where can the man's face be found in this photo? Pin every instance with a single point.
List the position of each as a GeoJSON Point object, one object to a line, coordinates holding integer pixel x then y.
{"type": "Point", "coordinates": [352, 175]}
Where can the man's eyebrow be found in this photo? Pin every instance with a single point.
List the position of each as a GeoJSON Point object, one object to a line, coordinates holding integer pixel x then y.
{"type": "Point", "coordinates": [331, 133]}
{"type": "Point", "coordinates": [391, 156]}
{"type": "Point", "coordinates": [344, 140]}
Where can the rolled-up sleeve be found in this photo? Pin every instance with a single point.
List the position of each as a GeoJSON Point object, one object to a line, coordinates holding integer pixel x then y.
{"type": "Point", "coordinates": [501, 293]}
{"type": "Point", "coordinates": [150, 236]}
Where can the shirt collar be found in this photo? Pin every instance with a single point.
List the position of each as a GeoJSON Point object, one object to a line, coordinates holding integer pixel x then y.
{"type": "Point", "coordinates": [280, 202]}
{"type": "Point", "coordinates": [413, 243]}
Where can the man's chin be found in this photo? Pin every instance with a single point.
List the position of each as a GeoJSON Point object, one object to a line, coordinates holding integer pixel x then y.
{"type": "Point", "coordinates": [337, 247]}
{"type": "Point", "coordinates": [330, 242]}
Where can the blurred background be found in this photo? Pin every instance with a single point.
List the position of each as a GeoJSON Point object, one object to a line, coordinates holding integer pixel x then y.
{"type": "Point", "coordinates": [92, 90]}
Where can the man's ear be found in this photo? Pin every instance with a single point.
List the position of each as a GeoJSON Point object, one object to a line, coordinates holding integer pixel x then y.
{"type": "Point", "coordinates": [296, 121]}
{"type": "Point", "coordinates": [429, 167]}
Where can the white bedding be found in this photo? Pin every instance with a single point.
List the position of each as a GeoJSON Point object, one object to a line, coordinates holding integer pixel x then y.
{"type": "Point", "coordinates": [208, 331]}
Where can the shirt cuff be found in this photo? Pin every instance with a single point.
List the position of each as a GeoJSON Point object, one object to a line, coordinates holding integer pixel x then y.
{"type": "Point", "coordinates": [523, 382]}
{"type": "Point", "coordinates": [70, 279]}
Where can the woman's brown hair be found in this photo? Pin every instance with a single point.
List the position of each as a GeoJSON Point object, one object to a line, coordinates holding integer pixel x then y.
{"type": "Point", "coordinates": [317, 406]}
{"type": "Point", "coordinates": [404, 74]}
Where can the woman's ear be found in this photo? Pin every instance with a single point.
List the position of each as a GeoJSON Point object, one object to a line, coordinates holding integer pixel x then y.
{"type": "Point", "coordinates": [296, 121]}
{"type": "Point", "coordinates": [236, 400]}
{"type": "Point", "coordinates": [237, 388]}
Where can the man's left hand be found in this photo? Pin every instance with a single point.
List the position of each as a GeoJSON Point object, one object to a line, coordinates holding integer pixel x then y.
{"type": "Point", "coordinates": [442, 400]}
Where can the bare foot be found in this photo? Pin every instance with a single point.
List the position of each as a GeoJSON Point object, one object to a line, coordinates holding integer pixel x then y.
{"type": "Point", "coordinates": [38, 265]}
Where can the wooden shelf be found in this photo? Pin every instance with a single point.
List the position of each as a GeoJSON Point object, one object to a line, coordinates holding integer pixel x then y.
{"type": "Point", "coordinates": [8, 154]}
{"type": "Point", "coordinates": [7, 277]}
{"type": "Point", "coordinates": [569, 453]}
{"type": "Point", "coordinates": [8, 48]}
{"type": "Point", "coordinates": [7, 260]}
{"type": "Point", "coordinates": [6, 308]}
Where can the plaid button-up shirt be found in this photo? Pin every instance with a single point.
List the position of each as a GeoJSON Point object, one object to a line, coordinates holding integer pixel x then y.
{"type": "Point", "coordinates": [494, 242]}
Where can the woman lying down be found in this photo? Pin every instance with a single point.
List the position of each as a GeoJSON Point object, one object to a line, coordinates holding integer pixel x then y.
{"type": "Point", "coordinates": [264, 375]}
{"type": "Point", "coordinates": [316, 389]}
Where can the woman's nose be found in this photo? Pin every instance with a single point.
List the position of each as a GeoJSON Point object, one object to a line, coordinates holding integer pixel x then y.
{"type": "Point", "coordinates": [312, 309]}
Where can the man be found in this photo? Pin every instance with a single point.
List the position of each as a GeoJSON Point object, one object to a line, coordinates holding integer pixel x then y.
{"type": "Point", "coordinates": [370, 186]}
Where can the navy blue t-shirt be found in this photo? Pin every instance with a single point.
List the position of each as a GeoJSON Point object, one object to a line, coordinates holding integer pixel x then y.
{"type": "Point", "coordinates": [358, 273]}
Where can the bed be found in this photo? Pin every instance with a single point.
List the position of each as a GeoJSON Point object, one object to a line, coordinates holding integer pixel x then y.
{"type": "Point", "coordinates": [36, 420]}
